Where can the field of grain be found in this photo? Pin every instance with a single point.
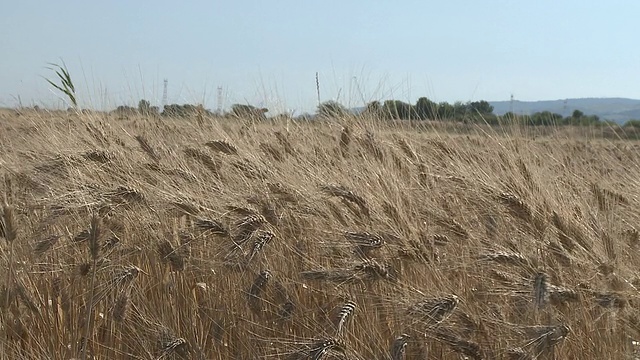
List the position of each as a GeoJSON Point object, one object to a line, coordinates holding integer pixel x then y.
{"type": "Point", "coordinates": [346, 239]}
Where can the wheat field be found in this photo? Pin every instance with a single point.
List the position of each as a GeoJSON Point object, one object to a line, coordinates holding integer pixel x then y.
{"type": "Point", "coordinates": [145, 238]}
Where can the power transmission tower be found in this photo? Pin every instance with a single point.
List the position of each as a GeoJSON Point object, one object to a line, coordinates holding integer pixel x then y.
{"type": "Point", "coordinates": [165, 100]}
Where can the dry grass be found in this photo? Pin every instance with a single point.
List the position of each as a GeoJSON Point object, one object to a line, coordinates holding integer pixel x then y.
{"type": "Point", "coordinates": [178, 238]}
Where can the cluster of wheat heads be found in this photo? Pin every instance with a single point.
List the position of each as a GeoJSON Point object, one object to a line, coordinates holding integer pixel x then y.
{"type": "Point", "coordinates": [148, 239]}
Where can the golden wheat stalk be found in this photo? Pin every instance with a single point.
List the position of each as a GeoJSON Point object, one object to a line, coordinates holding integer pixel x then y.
{"type": "Point", "coordinates": [365, 242]}
{"type": "Point", "coordinates": [184, 207]}
{"type": "Point", "coordinates": [544, 338]}
{"type": "Point", "coordinates": [8, 226]}
{"type": "Point", "coordinates": [559, 252]}
{"type": "Point", "coordinates": [25, 297]}
{"type": "Point", "coordinates": [540, 290]}
{"type": "Point", "coordinates": [610, 300]}
{"type": "Point", "coordinates": [373, 270]}
{"type": "Point", "coordinates": [467, 348]}
{"type": "Point", "coordinates": [267, 208]}
{"type": "Point", "coordinates": [346, 311]}
{"type": "Point", "coordinates": [250, 223]}
{"type": "Point", "coordinates": [286, 310]}
{"type": "Point", "coordinates": [407, 149]}
{"type": "Point", "coordinates": [507, 258]}
{"type": "Point", "coordinates": [127, 275]}
{"type": "Point", "coordinates": [245, 227]}
{"type": "Point", "coordinates": [99, 156]}
{"type": "Point", "coordinates": [173, 346]}
{"type": "Point", "coordinates": [95, 232]}
{"type": "Point", "coordinates": [399, 347]}
{"type": "Point", "coordinates": [562, 295]}
{"type": "Point", "coordinates": [334, 275]}
{"type": "Point", "coordinates": [609, 246]}
{"type": "Point", "coordinates": [452, 225]}
{"type": "Point", "coordinates": [211, 226]}
{"type": "Point", "coordinates": [323, 347]}
{"type": "Point", "coordinates": [121, 307]}
{"type": "Point", "coordinates": [440, 240]}
{"type": "Point", "coordinates": [633, 237]}
{"type": "Point", "coordinates": [7, 296]}
{"type": "Point", "coordinates": [370, 144]}
{"type": "Point", "coordinates": [517, 206]}
{"type": "Point", "coordinates": [570, 233]}
{"type": "Point", "coordinates": [283, 192]}
{"type": "Point", "coordinates": [45, 244]}
{"type": "Point", "coordinates": [262, 239]}
{"type": "Point", "coordinates": [272, 151]}
{"type": "Point", "coordinates": [124, 194]}
{"type": "Point", "coordinates": [249, 169]}
{"type": "Point", "coordinates": [527, 175]}
{"type": "Point", "coordinates": [144, 145]}
{"type": "Point", "coordinates": [285, 143]}
{"type": "Point", "coordinates": [169, 254]}
{"type": "Point", "coordinates": [256, 290]}
{"type": "Point", "coordinates": [345, 140]}
{"type": "Point", "coordinates": [348, 195]}
{"type": "Point", "coordinates": [222, 146]}
{"type": "Point", "coordinates": [518, 353]}
{"type": "Point", "coordinates": [241, 210]}
{"type": "Point", "coordinates": [365, 239]}
{"type": "Point", "coordinates": [205, 159]}
{"type": "Point", "coordinates": [433, 311]}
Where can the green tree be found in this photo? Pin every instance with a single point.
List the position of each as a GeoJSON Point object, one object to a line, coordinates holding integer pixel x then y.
{"type": "Point", "coordinates": [460, 109]}
{"type": "Point", "coordinates": [176, 110]}
{"type": "Point", "coordinates": [331, 109]}
{"type": "Point", "coordinates": [482, 107]}
{"type": "Point", "coordinates": [426, 109]}
{"type": "Point", "coordinates": [144, 106]}
{"type": "Point", "coordinates": [545, 118]}
{"type": "Point", "coordinates": [248, 112]}
{"type": "Point", "coordinates": [446, 111]}
{"type": "Point", "coordinates": [396, 109]}
{"type": "Point", "coordinates": [373, 109]}
{"type": "Point", "coordinates": [509, 115]}
{"type": "Point", "coordinates": [632, 124]}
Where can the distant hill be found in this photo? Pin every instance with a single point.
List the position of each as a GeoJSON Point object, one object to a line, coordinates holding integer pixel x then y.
{"type": "Point", "coordinates": [619, 110]}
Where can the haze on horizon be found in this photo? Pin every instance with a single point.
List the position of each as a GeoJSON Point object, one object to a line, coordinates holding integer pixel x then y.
{"type": "Point", "coordinates": [267, 53]}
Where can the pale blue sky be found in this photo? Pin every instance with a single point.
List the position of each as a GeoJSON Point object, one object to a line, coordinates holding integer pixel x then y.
{"type": "Point", "coordinates": [267, 52]}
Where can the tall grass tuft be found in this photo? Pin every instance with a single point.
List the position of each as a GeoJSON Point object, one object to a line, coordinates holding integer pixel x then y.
{"type": "Point", "coordinates": [66, 84]}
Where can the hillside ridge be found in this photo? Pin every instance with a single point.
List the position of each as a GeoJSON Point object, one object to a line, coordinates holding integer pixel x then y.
{"type": "Point", "coordinates": [617, 109]}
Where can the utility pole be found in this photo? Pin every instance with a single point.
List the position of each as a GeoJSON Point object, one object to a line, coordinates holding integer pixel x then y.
{"type": "Point", "coordinates": [165, 96]}
{"type": "Point", "coordinates": [511, 105]}
{"type": "Point", "coordinates": [219, 110]}
{"type": "Point", "coordinates": [318, 86]}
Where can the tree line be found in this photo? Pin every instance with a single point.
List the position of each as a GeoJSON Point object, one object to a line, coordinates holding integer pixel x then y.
{"type": "Point", "coordinates": [469, 112]}
{"type": "Point", "coordinates": [187, 110]}
{"type": "Point", "coordinates": [424, 109]}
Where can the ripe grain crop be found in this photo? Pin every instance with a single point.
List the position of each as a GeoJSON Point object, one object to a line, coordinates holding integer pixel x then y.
{"type": "Point", "coordinates": [351, 238]}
